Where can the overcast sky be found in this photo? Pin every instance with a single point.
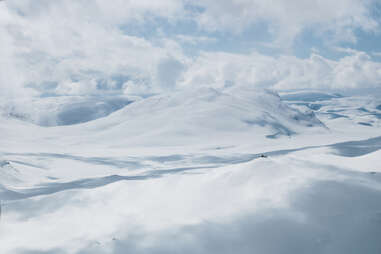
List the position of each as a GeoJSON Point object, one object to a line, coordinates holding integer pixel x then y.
{"type": "Point", "coordinates": [98, 47]}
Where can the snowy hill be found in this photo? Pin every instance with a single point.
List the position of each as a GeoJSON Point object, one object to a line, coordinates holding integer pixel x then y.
{"type": "Point", "coordinates": [239, 167]}
{"type": "Point", "coordinates": [191, 115]}
{"type": "Point", "coordinates": [186, 116]}
{"type": "Point", "coordinates": [236, 110]}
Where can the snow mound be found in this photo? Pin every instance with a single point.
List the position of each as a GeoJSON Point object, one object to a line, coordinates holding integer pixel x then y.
{"type": "Point", "coordinates": [208, 112]}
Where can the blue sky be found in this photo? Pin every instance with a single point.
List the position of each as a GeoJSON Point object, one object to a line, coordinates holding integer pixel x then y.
{"type": "Point", "coordinates": [257, 36]}
{"type": "Point", "coordinates": [77, 47]}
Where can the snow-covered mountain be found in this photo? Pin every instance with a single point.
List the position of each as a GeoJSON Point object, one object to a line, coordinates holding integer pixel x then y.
{"type": "Point", "coordinates": [183, 117]}
{"type": "Point", "coordinates": [193, 171]}
{"type": "Point", "coordinates": [191, 114]}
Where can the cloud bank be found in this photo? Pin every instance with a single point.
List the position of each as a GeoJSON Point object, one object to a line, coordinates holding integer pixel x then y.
{"type": "Point", "coordinates": [140, 48]}
{"type": "Point", "coordinates": [286, 72]}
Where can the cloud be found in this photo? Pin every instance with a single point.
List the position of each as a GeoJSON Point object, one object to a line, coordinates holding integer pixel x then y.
{"type": "Point", "coordinates": [287, 19]}
{"type": "Point", "coordinates": [355, 71]}
{"type": "Point", "coordinates": [72, 47]}
{"type": "Point", "coordinates": [168, 72]}
{"type": "Point", "coordinates": [195, 40]}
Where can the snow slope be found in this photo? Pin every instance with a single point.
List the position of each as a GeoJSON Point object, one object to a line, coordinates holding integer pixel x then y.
{"type": "Point", "coordinates": [183, 173]}
{"type": "Point", "coordinates": [194, 114]}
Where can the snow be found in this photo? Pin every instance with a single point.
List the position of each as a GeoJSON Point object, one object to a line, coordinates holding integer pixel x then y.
{"type": "Point", "coordinates": [66, 110]}
{"type": "Point", "coordinates": [183, 173]}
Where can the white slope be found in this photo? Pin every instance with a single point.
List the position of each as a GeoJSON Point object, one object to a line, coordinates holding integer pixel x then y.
{"type": "Point", "coordinates": [183, 118]}
{"type": "Point", "coordinates": [183, 173]}
{"type": "Point", "coordinates": [191, 115]}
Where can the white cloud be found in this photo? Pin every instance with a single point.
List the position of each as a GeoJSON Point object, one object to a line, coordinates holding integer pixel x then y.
{"type": "Point", "coordinates": [194, 40]}
{"type": "Point", "coordinates": [74, 44]}
{"type": "Point", "coordinates": [78, 47]}
{"type": "Point", "coordinates": [287, 19]}
{"type": "Point", "coordinates": [355, 71]}
{"type": "Point", "coordinates": [168, 72]}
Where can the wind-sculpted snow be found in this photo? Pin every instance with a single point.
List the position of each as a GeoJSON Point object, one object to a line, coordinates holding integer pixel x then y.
{"type": "Point", "coordinates": [196, 171]}
{"type": "Point", "coordinates": [361, 110]}
{"type": "Point", "coordinates": [140, 165]}
{"type": "Point", "coordinates": [322, 210]}
{"type": "Point", "coordinates": [66, 110]}
{"type": "Point", "coordinates": [358, 148]}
